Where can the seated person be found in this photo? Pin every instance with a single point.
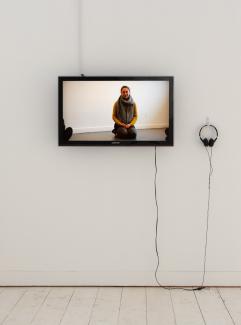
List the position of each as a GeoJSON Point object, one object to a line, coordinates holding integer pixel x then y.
{"type": "Point", "coordinates": [124, 115]}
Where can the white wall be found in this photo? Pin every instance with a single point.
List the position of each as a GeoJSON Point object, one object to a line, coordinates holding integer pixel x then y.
{"type": "Point", "coordinates": [72, 215]}
{"type": "Point", "coordinates": [88, 106]}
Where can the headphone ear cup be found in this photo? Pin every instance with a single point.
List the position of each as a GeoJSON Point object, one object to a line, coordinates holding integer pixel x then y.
{"type": "Point", "coordinates": [211, 142]}
{"type": "Point", "coordinates": [205, 142]}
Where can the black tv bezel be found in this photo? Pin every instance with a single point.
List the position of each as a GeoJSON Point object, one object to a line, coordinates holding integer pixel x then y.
{"type": "Point", "coordinates": [168, 142]}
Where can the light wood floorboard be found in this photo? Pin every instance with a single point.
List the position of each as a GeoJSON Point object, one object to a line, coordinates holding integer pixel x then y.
{"type": "Point", "coordinates": [232, 300]}
{"type": "Point", "coordinates": [54, 307]}
{"type": "Point", "coordinates": [119, 306]}
{"type": "Point", "coordinates": [27, 307]}
{"type": "Point", "coordinates": [159, 307]}
{"type": "Point", "coordinates": [9, 298]}
{"type": "Point", "coordinates": [106, 307]}
{"type": "Point", "coordinates": [133, 307]}
{"type": "Point", "coordinates": [212, 308]}
{"type": "Point", "coordinates": [80, 307]}
{"type": "Point", "coordinates": [186, 308]}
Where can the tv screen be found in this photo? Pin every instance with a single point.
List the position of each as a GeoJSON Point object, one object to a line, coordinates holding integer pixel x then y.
{"type": "Point", "coordinates": [125, 111]}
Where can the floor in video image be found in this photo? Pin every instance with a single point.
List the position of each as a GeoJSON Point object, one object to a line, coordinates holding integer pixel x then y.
{"type": "Point", "coordinates": [142, 135]}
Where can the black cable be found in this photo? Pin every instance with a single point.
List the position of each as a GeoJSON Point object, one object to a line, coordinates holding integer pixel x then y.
{"type": "Point", "coordinates": [207, 224]}
{"type": "Point", "coordinates": [207, 216]}
{"type": "Point", "coordinates": [157, 219]}
{"type": "Point", "coordinates": [156, 246]}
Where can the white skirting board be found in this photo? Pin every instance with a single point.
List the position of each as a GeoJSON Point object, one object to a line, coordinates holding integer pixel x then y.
{"type": "Point", "coordinates": [117, 278]}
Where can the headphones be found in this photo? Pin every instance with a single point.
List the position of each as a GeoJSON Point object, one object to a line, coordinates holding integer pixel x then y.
{"type": "Point", "coordinates": [211, 141]}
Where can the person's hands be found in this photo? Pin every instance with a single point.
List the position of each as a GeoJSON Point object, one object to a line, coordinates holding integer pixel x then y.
{"type": "Point", "coordinates": [126, 126]}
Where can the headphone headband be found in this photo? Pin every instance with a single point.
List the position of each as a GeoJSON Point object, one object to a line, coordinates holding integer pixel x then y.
{"type": "Point", "coordinates": [210, 125]}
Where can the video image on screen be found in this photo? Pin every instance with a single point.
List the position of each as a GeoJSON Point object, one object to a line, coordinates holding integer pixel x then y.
{"type": "Point", "coordinates": [116, 111]}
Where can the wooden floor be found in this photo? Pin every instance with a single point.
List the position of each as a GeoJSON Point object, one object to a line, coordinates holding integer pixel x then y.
{"type": "Point", "coordinates": [116, 305]}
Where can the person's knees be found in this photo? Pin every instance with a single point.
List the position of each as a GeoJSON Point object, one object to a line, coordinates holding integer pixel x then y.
{"type": "Point", "coordinates": [126, 133]}
{"type": "Point", "coordinates": [132, 132]}
{"type": "Point", "coordinates": [121, 132]}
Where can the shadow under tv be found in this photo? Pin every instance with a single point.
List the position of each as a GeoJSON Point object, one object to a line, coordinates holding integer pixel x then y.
{"type": "Point", "coordinates": [115, 110]}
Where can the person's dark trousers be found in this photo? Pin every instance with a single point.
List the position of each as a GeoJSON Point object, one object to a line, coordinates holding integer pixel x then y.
{"type": "Point", "coordinates": [124, 133]}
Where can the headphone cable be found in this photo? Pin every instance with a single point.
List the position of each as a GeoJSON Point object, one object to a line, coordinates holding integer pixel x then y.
{"type": "Point", "coordinates": [207, 215]}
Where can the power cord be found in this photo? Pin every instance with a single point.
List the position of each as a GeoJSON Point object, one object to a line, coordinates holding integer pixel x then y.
{"type": "Point", "coordinates": [207, 224]}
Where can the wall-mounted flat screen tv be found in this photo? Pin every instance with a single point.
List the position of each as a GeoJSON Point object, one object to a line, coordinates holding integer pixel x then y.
{"type": "Point", "coordinates": [115, 111]}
